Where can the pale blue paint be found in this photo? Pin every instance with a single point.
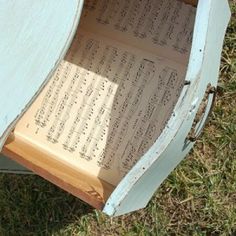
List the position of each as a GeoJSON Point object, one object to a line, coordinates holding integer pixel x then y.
{"type": "Point", "coordinates": [9, 166]}
{"type": "Point", "coordinates": [138, 186]}
{"type": "Point", "coordinates": [136, 189]}
{"type": "Point", "coordinates": [34, 36]}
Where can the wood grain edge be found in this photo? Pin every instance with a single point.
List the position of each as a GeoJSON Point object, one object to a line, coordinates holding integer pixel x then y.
{"type": "Point", "coordinates": [191, 2]}
{"type": "Point", "coordinates": [88, 188]}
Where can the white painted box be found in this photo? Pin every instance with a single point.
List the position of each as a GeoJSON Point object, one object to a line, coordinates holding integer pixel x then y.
{"type": "Point", "coordinates": [110, 121]}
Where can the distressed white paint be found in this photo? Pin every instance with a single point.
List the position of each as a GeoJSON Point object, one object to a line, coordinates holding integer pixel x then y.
{"type": "Point", "coordinates": [34, 36]}
{"type": "Point", "coordinates": [136, 189]}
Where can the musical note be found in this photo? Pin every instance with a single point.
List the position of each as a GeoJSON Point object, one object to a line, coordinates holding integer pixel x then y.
{"type": "Point", "coordinates": [112, 96]}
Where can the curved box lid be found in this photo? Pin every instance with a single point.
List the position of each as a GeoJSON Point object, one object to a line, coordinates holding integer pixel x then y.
{"type": "Point", "coordinates": [34, 37]}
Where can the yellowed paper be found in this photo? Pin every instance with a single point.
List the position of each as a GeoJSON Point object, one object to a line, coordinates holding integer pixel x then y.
{"type": "Point", "coordinates": [106, 104]}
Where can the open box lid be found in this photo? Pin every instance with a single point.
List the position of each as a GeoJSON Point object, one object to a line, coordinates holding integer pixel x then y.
{"type": "Point", "coordinates": [35, 35]}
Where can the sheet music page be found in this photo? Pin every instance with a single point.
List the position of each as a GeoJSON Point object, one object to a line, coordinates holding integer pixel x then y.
{"type": "Point", "coordinates": [108, 101]}
{"type": "Point", "coordinates": [164, 27]}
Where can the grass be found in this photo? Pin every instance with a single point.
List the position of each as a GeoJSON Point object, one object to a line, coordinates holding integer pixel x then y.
{"type": "Point", "coordinates": [198, 198]}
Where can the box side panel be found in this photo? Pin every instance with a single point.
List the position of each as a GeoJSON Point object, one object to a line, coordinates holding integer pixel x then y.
{"type": "Point", "coordinates": [35, 35]}
{"type": "Point", "coordinates": [135, 190]}
{"type": "Point", "coordinates": [9, 166]}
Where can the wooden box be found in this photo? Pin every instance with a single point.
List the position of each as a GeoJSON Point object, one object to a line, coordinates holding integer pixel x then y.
{"type": "Point", "coordinates": [109, 118]}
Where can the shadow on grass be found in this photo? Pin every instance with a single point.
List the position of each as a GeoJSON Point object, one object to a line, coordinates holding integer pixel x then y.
{"type": "Point", "coordinates": [32, 206]}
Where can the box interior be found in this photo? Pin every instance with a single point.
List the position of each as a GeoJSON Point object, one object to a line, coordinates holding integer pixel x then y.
{"type": "Point", "coordinates": [110, 99]}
